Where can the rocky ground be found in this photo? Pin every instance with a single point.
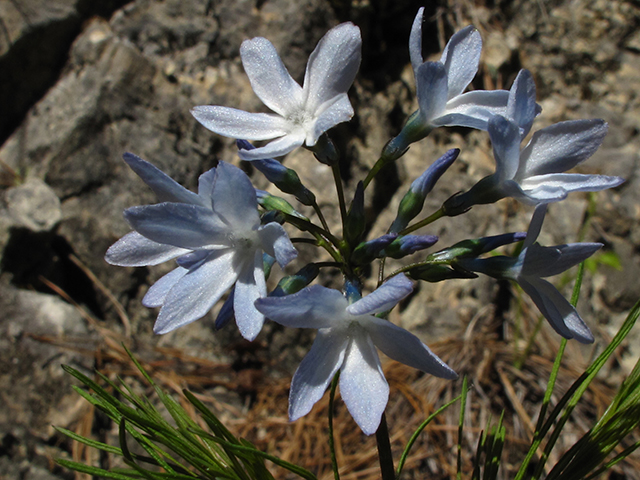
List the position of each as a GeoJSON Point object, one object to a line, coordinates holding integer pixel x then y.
{"type": "Point", "coordinates": [81, 84]}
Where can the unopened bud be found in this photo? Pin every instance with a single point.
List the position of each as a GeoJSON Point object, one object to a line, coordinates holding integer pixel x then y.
{"type": "Point", "coordinates": [271, 202]}
{"type": "Point", "coordinates": [408, 244]}
{"type": "Point", "coordinates": [368, 251]}
{"type": "Point", "coordinates": [294, 283]}
{"type": "Point", "coordinates": [286, 179]}
{"type": "Point", "coordinates": [412, 203]}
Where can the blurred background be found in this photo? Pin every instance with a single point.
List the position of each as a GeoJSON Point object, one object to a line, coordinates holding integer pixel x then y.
{"type": "Point", "coordinates": [82, 82]}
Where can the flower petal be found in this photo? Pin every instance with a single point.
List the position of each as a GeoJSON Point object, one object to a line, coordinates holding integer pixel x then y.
{"type": "Point", "coordinates": [561, 147]}
{"type": "Point", "coordinates": [362, 384]}
{"type": "Point", "coordinates": [205, 186]}
{"type": "Point", "coordinates": [562, 316]}
{"type": "Point", "coordinates": [234, 199]}
{"type": "Point", "coordinates": [548, 261]}
{"type": "Point", "coordinates": [571, 182]}
{"type": "Point", "coordinates": [461, 58]}
{"type": "Point", "coordinates": [431, 90]}
{"type": "Point", "coordinates": [339, 110]}
{"type": "Point", "coordinates": [535, 226]}
{"type": "Point", "coordinates": [316, 372]}
{"type": "Point", "coordinates": [332, 65]}
{"type": "Point", "coordinates": [165, 187]}
{"type": "Point", "coordinates": [134, 250]}
{"type": "Point", "coordinates": [250, 286]}
{"type": "Point", "coordinates": [404, 347]}
{"type": "Point", "coordinates": [234, 123]}
{"type": "Point", "coordinates": [269, 77]}
{"type": "Point", "coordinates": [415, 41]}
{"type": "Point", "coordinates": [505, 138]}
{"type": "Point", "coordinates": [158, 291]}
{"type": "Point", "coordinates": [178, 224]}
{"type": "Point", "coordinates": [277, 148]}
{"type": "Point", "coordinates": [311, 307]}
{"type": "Point", "coordinates": [193, 296]}
{"type": "Point", "coordinates": [473, 109]}
{"type": "Point", "coordinates": [522, 108]}
{"type": "Point", "coordinates": [384, 298]}
{"type": "Point", "coordinates": [276, 243]}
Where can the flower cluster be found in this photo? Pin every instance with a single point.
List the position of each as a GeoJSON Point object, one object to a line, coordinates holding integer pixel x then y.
{"type": "Point", "coordinates": [227, 236]}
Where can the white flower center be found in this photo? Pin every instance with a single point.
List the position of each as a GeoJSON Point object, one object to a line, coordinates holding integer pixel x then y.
{"type": "Point", "coordinates": [301, 118]}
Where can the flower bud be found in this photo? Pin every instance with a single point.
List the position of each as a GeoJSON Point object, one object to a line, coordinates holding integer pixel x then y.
{"type": "Point", "coordinates": [286, 179]}
{"type": "Point", "coordinates": [368, 251]}
{"type": "Point", "coordinates": [408, 244]}
{"type": "Point", "coordinates": [271, 202]}
{"type": "Point", "coordinates": [412, 203]}
{"type": "Point", "coordinates": [294, 283]}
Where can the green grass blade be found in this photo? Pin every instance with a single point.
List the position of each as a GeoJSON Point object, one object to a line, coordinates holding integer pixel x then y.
{"type": "Point", "coordinates": [95, 471]}
{"type": "Point", "coordinates": [463, 405]}
{"type": "Point", "coordinates": [419, 430]}
{"type": "Point", "coordinates": [574, 394]}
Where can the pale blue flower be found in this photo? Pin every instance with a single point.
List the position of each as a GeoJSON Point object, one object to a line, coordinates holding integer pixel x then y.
{"type": "Point", "coordinates": [302, 114]}
{"type": "Point", "coordinates": [218, 241]}
{"type": "Point", "coordinates": [535, 175]}
{"type": "Point", "coordinates": [347, 339]}
{"type": "Point", "coordinates": [530, 267]}
{"type": "Point", "coordinates": [440, 85]}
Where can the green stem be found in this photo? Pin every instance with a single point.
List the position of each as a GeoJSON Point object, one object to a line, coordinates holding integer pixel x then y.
{"type": "Point", "coordinates": [316, 208]}
{"type": "Point", "coordinates": [381, 271]}
{"type": "Point", "coordinates": [422, 223]}
{"type": "Point", "coordinates": [311, 241]}
{"type": "Point", "coordinates": [384, 450]}
{"type": "Point", "coordinates": [381, 162]}
{"type": "Point", "coordinates": [335, 169]}
{"type": "Point", "coordinates": [332, 445]}
{"type": "Point", "coordinates": [308, 226]}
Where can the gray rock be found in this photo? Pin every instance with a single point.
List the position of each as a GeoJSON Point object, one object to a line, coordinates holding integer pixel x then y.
{"type": "Point", "coordinates": [33, 205]}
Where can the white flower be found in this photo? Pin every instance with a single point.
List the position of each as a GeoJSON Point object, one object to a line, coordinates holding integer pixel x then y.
{"type": "Point", "coordinates": [531, 266]}
{"type": "Point", "coordinates": [217, 238]}
{"type": "Point", "coordinates": [302, 114]}
{"type": "Point", "coordinates": [535, 174]}
{"type": "Point", "coordinates": [347, 339]}
{"type": "Point", "coordinates": [439, 85]}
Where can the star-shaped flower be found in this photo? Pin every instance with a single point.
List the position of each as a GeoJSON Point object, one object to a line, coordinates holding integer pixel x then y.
{"type": "Point", "coordinates": [535, 174]}
{"type": "Point", "coordinates": [217, 237]}
{"type": "Point", "coordinates": [347, 339]}
{"type": "Point", "coordinates": [440, 84]}
{"type": "Point", "coordinates": [302, 114]}
{"type": "Point", "coordinates": [530, 267]}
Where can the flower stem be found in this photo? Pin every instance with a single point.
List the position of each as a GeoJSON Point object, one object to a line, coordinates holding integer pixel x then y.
{"type": "Point", "coordinates": [307, 226]}
{"type": "Point", "coordinates": [316, 208]}
{"type": "Point", "coordinates": [335, 169]}
{"type": "Point", "coordinates": [332, 446]}
{"type": "Point", "coordinates": [381, 162]}
{"type": "Point", "coordinates": [422, 223]}
{"type": "Point", "coordinates": [384, 450]}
